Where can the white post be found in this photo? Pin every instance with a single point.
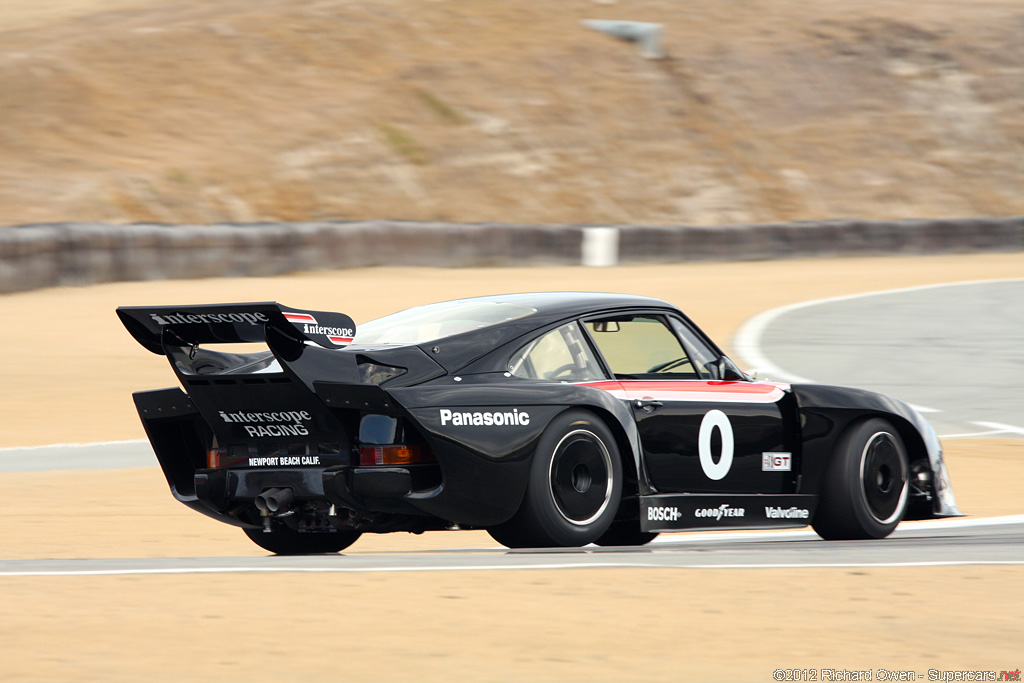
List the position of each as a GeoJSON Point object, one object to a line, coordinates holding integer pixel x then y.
{"type": "Point", "coordinates": [600, 247]}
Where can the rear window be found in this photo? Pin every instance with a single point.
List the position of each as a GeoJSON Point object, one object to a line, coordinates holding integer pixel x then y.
{"type": "Point", "coordinates": [437, 321]}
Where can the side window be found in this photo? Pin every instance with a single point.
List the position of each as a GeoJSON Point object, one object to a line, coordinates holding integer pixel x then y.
{"type": "Point", "coordinates": [561, 354]}
{"type": "Point", "coordinates": [642, 347]}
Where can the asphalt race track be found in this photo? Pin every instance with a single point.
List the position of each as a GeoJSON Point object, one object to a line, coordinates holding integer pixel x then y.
{"type": "Point", "coordinates": [994, 541]}
{"type": "Point", "coordinates": [955, 349]}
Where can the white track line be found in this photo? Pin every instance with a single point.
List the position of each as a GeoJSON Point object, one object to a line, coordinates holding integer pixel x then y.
{"type": "Point", "coordinates": [493, 568]}
{"type": "Point", "coordinates": [972, 435]}
{"type": "Point", "coordinates": [1000, 428]}
{"type": "Point", "coordinates": [11, 449]}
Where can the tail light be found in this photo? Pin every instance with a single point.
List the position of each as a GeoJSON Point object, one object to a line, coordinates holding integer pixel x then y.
{"type": "Point", "coordinates": [217, 458]}
{"type": "Point", "coordinates": [213, 457]}
{"type": "Point", "coordinates": [394, 455]}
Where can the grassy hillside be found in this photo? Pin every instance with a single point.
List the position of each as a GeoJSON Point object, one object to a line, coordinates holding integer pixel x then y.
{"type": "Point", "coordinates": [472, 110]}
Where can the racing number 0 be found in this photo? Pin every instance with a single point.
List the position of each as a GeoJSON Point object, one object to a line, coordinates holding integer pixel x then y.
{"type": "Point", "coordinates": [712, 420]}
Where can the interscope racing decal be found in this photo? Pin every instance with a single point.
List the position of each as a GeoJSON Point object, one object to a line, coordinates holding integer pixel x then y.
{"type": "Point", "coordinates": [671, 512]}
{"type": "Point", "coordinates": [261, 424]}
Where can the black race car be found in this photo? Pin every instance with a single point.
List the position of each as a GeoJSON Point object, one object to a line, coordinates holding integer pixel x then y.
{"type": "Point", "coordinates": [556, 419]}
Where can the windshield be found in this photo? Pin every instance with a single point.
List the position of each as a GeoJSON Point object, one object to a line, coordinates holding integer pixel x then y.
{"type": "Point", "coordinates": [437, 321]}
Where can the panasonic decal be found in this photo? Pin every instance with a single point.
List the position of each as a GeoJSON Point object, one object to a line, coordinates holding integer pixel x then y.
{"type": "Point", "coordinates": [458, 418]}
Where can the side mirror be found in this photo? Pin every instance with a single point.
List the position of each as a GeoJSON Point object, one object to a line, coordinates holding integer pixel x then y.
{"type": "Point", "coordinates": [727, 370]}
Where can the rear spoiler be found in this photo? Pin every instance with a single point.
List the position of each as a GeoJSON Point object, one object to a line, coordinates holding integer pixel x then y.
{"type": "Point", "coordinates": [232, 323]}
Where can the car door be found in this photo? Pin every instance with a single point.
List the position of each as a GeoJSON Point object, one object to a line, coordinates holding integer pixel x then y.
{"type": "Point", "coordinates": [699, 433]}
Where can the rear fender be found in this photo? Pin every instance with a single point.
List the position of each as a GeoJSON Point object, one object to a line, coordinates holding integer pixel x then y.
{"type": "Point", "coordinates": [485, 461]}
{"type": "Point", "coordinates": [179, 437]}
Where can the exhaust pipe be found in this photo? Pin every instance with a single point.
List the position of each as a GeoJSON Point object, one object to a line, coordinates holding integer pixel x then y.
{"type": "Point", "coordinates": [275, 500]}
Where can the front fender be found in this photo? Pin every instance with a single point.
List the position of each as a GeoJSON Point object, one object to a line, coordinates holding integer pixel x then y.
{"type": "Point", "coordinates": [828, 411]}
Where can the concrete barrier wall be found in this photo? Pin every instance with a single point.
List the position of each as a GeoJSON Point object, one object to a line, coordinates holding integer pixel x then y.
{"type": "Point", "coordinates": [36, 256]}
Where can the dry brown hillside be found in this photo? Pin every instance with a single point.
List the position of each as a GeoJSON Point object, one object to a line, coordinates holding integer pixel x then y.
{"type": "Point", "coordinates": [509, 110]}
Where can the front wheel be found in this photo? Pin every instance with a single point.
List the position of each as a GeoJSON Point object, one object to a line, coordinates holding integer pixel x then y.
{"type": "Point", "coordinates": [574, 488]}
{"type": "Point", "coordinates": [283, 540]}
{"type": "Point", "coordinates": [864, 491]}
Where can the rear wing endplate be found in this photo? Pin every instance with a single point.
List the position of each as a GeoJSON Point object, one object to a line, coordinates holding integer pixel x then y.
{"type": "Point", "coordinates": [232, 323]}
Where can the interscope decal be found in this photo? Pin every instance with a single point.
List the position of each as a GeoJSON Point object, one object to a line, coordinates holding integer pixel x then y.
{"type": "Point", "coordinates": [309, 325]}
{"type": "Point", "coordinates": [209, 318]}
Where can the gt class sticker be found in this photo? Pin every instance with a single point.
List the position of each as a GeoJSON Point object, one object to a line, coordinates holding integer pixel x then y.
{"type": "Point", "coordinates": [776, 462]}
{"type": "Point", "coordinates": [715, 419]}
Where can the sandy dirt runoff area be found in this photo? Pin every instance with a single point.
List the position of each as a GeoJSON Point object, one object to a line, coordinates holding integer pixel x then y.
{"type": "Point", "coordinates": [68, 370]}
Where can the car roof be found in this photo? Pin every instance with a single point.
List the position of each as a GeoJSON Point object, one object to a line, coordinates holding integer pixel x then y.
{"type": "Point", "coordinates": [558, 304]}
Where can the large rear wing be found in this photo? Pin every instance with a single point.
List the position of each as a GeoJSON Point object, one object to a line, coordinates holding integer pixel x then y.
{"type": "Point", "coordinates": [158, 326]}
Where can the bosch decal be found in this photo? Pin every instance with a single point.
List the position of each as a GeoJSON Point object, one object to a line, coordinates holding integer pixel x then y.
{"type": "Point", "coordinates": [663, 514]}
{"type": "Point", "coordinates": [723, 510]}
{"type": "Point", "coordinates": [484, 419]}
{"type": "Point", "coordinates": [776, 462]}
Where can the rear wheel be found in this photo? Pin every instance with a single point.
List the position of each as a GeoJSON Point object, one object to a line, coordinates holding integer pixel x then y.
{"type": "Point", "coordinates": [286, 541]}
{"type": "Point", "coordinates": [574, 487]}
{"type": "Point", "coordinates": [864, 491]}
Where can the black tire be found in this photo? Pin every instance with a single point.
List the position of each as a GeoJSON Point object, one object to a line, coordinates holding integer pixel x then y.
{"type": "Point", "coordinates": [865, 489]}
{"type": "Point", "coordinates": [626, 533]}
{"type": "Point", "coordinates": [574, 488]}
{"type": "Point", "coordinates": [286, 541]}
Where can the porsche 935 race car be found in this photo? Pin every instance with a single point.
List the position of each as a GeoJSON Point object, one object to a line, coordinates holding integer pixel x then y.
{"type": "Point", "coordinates": [554, 419]}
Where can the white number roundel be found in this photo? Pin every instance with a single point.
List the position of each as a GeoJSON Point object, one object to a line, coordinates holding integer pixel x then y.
{"type": "Point", "coordinates": [715, 470]}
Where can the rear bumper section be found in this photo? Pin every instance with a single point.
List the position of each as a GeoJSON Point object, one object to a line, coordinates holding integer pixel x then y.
{"type": "Point", "coordinates": [463, 487]}
{"type": "Point", "coordinates": [378, 489]}
{"type": "Point", "coordinates": [368, 496]}
{"type": "Point", "coordinates": [363, 490]}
